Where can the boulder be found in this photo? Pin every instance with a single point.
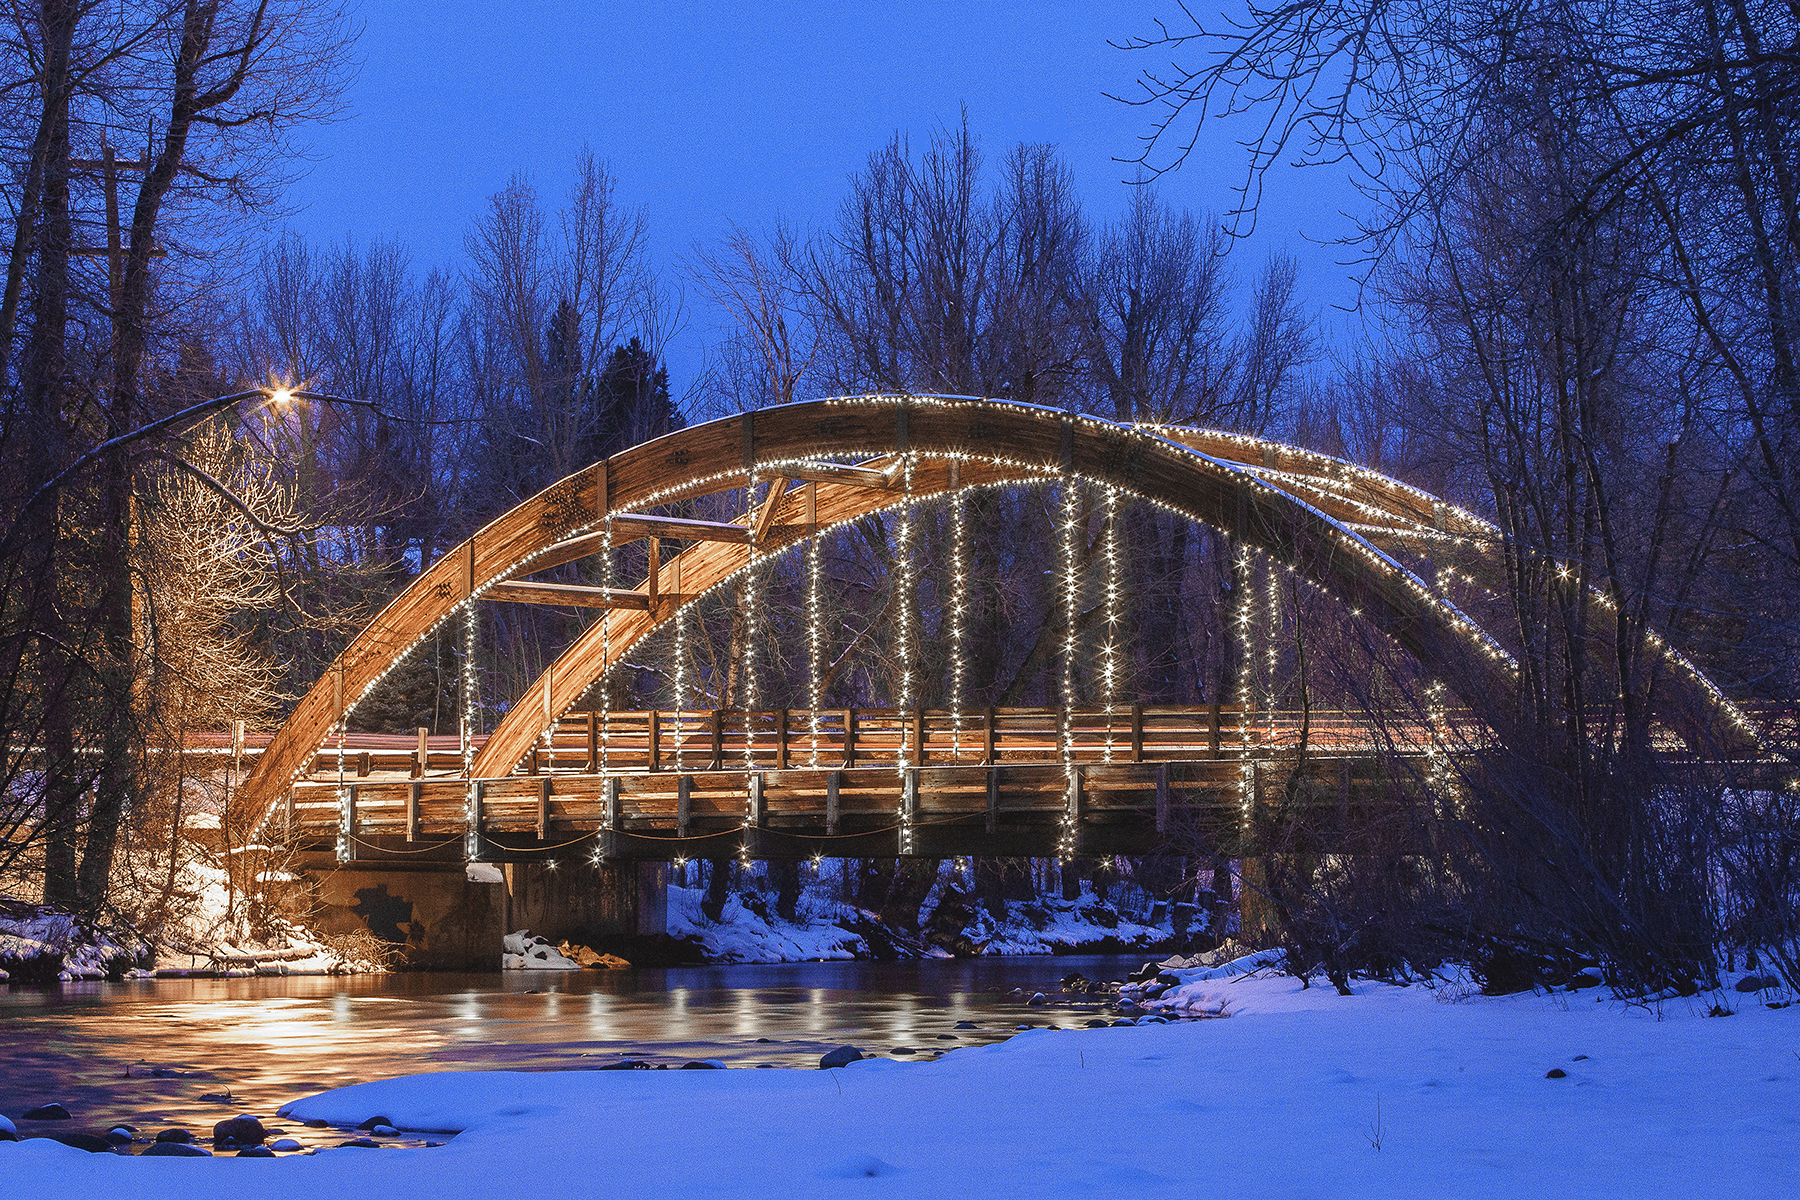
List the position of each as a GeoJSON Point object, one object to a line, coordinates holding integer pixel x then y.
{"type": "Point", "coordinates": [45, 1112]}
{"type": "Point", "coordinates": [360, 1144]}
{"type": "Point", "coordinates": [385, 1131]}
{"type": "Point", "coordinates": [1038, 1000]}
{"type": "Point", "coordinates": [843, 1056]}
{"type": "Point", "coordinates": [174, 1150]}
{"type": "Point", "coordinates": [91, 1142]}
{"type": "Point", "coordinates": [710, 1064]}
{"type": "Point", "coordinates": [371, 1123]}
{"type": "Point", "coordinates": [238, 1131]}
{"type": "Point", "coordinates": [285, 1145]}
{"type": "Point", "coordinates": [179, 1137]}
{"type": "Point", "coordinates": [1749, 983]}
{"type": "Point", "coordinates": [256, 1152]}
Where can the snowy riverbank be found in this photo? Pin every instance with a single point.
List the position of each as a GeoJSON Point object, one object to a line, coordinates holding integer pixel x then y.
{"type": "Point", "coordinates": [1298, 1093]}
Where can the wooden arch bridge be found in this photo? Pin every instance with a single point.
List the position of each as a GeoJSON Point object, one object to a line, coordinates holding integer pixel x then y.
{"type": "Point", "coordinates": [872, 782]}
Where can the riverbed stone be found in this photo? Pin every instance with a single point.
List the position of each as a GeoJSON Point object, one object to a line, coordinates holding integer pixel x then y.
{"type": "Point", "coordinates": [239, 1131]}
{"type": "Point", "coordinates": [385, 1131]}
{"type": "Point", "coordinates": [372, 1122]}
{"type": "Point", "coordinates": [285, 1145]}
{"type": "Point", "coordinates": [362, 1143]}
{"type": "Point", "coordinates": [93, 1143]}
{"type": "Point", "coordinates": [180, 1137]}
{"type": "Point", "coordinates": [256, 1152]}
{"type": "Point", "coordinates": [843, 1056]}
{"type": "Point", "coordinates": [710, 1064]}
{"type": "Point", "coordinates": [174, 1150]}
{"type": "Point", "coordinates": [117, 1137]}
{"type": "Point", "coordinates": [45, 1112]}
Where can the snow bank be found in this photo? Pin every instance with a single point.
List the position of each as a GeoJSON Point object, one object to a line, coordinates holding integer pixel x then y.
{"type": "Point", "coordinates": [1389, 1092]}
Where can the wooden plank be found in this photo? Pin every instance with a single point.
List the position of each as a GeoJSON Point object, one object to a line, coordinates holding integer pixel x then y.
{"type": "Point", "coordinates": [1212, 729]}
{"type": "Point", "coordinates": [1137, 733]}
{"type": "Point", "coordinates": [850, 476]}
{"type": "Point", "coordinates": [530, 591]}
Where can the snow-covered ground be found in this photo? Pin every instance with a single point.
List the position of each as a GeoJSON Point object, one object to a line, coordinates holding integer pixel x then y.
{"type": "Point", "coordinates": [1394, 1091]}
{"type": "Point", "coordinates": [826, 929]}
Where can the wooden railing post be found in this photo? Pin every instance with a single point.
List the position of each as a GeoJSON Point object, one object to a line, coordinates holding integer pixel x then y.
{"type": "Point", "coordinates": [422, 755]}
{"type": "Point", "coordinates": [1162, 797]}
{"type": "Point", "coordinates": [543, 809]}
{"type": "Point", "coordinates": [987, 737]}
{"type": "Point", "coordinates": [718, 739]}
{"type": "Point", "coordinates": [684, 788]}
{"type": "Point", "coordinates": [656, 739]}
{"type": "Point", "coordinates": [831, 803]}
{"type": "Point", "coordinates": [1137, 733]}
{"type": "Point", "coordinates": [781, 740]}
{"type": "Point", "coordinates": [412, 811]}
{"type": "Point", "coordinates": [849, 739]}
{"type": "Point", "coordinates": [993, 795]}
{"type": "Point", "coordinates": [593, 740]}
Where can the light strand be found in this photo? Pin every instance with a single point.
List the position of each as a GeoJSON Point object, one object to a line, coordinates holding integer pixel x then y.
{"type": "Point", "coordinates": [1071, 607]}
{"type": "Point", "coordinates": [1109, 655]}
{"type": "Point", "coordinates": [959, 599]}
{"type": "Point", "coordinates": [905, 582]}
{"type": "Point", "coordinates": [815, 643]}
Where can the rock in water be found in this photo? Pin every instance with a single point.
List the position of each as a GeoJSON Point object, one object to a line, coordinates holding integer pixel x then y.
{"type": "Point", "coordinates": [92, 1143]}
{"type": "Point", "coordinates": [118, 1137]}
{"type": "Point", "coordinates": [8, 1131]}
{"type": "Point", "coordinates": [256, 1152]}
{"type": "Point", "coordinates": [1038, 999]}
{"type": "Point", "coordinates": [284, 1144]}
{"type": "Point", "coordinates": [174, 1150]}
{"type": "Point", "coordinates": [711, 1064]}
{"type": "Point", "coordinates": [178, 1136]}
{"type": "Point", "coordinates": [843, 1056]}
{"type": "Point", "coordinates": [239, 1131]}
{"type": "Point", "coordinates": [1556, 1073]}
{"type": "Point", "coordinates": [45, 1112]}
{"type": "Point", "coordinates": [385, 1131]}
{"type": "Point", "coordinates": [361, 1144]}
{"type": "Point", "coordinates": [371, 1123]}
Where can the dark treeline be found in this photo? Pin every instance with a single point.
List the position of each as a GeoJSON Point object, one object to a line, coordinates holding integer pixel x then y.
{"type": "Point", "coordinates": [1582, 241]}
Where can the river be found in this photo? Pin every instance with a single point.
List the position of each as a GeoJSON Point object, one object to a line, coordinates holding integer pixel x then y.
{"type": "Point", "coordinates": [188, 1053]}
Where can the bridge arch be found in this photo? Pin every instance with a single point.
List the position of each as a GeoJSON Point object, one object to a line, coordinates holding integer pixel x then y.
{"type": "Point", "coordinates": [1321, 516]}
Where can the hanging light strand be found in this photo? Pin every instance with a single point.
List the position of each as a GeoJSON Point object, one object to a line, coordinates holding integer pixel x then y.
{"type": "Point", "coordinates": [905, 582]}
{"type": "Point", "coordinates": [1248, 662]}
{"type": "Point", "coordinates": [815, 642]}
{"type": "Point", "coordinates": [749, 600]}
{"type": "Point", "coordinates": [1109, 654]}
{"type": "Point", "coordinates": [1071, 603]}
{"type": "Point", "coordinates": [679, 675]}
{"type": "Point", "coordinates": [959, 600]}
{"type": "Point", "coordinates": [606, 663]}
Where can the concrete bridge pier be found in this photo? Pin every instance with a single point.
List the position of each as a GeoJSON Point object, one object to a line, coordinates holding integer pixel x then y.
{"type": "Point", "coordinates": [451, 916]}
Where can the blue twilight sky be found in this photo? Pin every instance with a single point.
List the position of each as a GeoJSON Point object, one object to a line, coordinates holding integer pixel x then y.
{"type": "Point", "coordinates": [711, 112]}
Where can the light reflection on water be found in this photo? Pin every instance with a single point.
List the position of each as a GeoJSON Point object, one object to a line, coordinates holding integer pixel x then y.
{"type": "Point", "coordinates": [266, 1041]}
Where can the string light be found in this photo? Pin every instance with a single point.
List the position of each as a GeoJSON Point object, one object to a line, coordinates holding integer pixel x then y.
{"type": "Point", "coordinates": [815, 643]}
{"type": "Point", "coordinates": [680, 681]}
{"type": "Point", "coordinates": [1109, 655]}
{"type": "Point", "coordinates": [471, 687]}
{"type": "Point", "coordinates": [1247, 665]}
{"type": "Point", "coordinates": [606, 655]}
{"type": "Point", "coordinates": [1071, 608]}
{"type": "Point", "coordinates": [905, 583]}
{"type": "Point", "coordinates": [959, 599]}
{"type": "Point", "coordinates": [748, 602]}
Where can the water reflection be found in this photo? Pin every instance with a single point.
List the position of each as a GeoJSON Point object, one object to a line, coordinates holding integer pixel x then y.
{"type": "Point", "coordinates": [264, 1041]}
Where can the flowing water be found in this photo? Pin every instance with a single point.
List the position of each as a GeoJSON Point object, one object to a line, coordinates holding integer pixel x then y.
{"type": "Point", "coordinates": [188, 1053]}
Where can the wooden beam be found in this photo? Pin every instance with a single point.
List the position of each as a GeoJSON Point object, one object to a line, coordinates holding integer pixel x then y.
{"type": "Point", "coordinates": [831, 803]}
{"type": "Point", "coordinates": [527, 591]}
{"type": "Point", "coordinates": [543, 809]}
{"type": "Point", "coordinates": [412, 811]}
{"type": "Point", "coordinates": [824, 472]}
{"type": "Point", "coordinates": [993, 799]}
{"type": "Point", "coordinates": [766, 514]}
{"type": "Point", "coordinates": [684, 788]}
{"type": "Point", "coordinates": [629, 527]}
